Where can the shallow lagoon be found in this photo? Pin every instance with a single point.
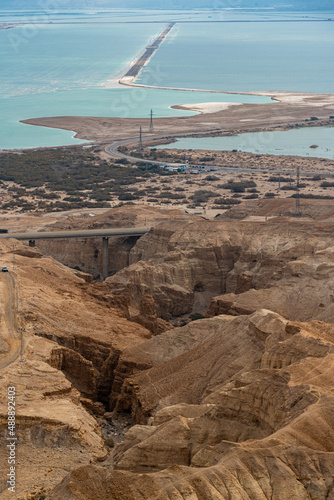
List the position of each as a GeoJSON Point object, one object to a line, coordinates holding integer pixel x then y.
{"type": "Point", "coordinates": [70, 69]}
{"type": "Point", "coordinates": [294, 142]}
{"type": "Point", "coordinates": [253, 56]}
{"type": "Point", "coordinates": [121, 102]}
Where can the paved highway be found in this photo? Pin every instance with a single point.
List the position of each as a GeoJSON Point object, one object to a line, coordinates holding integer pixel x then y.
{"type": "Point", "coordinates": [89, 233]}
{"type": "Point", "coordinates": [113, 151]}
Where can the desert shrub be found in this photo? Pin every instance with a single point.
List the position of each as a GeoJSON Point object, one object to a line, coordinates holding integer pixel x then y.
{"type": "Point", "coordinates": [207, 158]}
{"type": "Point", "coordinates": [326, 184]}
{"type": "Point", "coordinates": [123, 161]}
{"type": "Point", "coordinates": [313, 196]}
{"type": "Point", "coordinates": [202, 196]}
{"type": "Point", "coordinates": [211, 178]}
{"type": "Point", "coordinates": [127, 197]}
{"type": "Point", "coordinates": [275, 178]}
{"type": "Point", "coordinates": [196, 316]}
{"type": "Point", "coordinates": [226, 201]}
{"type": "Point", "coordinates": [238, 187]}
{"type": "Point", "coordinates": [251, 196]}
{"type": "Point", "coordinates": [269, 195]}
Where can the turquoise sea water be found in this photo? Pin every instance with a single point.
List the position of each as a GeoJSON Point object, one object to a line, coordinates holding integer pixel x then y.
{"type": "Point", "coordinates": [295, 142]}
{"type": "Point", "coordinates": [45, 58]}
{"type": "Point", "coordinates": [295, 56]}
{"type": "Point", "coordinates": [58, 70]}
{"type": "Point", "coordinates": [126, 15]}
{"type": "Point", "coordinates": [66, 67]}
{"type": "Point", "coordinates": [122, 102]}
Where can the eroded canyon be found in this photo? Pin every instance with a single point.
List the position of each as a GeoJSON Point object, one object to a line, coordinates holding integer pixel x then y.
{"type": "Point", "coordinates": [122, 393]}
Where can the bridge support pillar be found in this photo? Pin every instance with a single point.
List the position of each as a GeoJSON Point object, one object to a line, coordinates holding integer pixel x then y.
{"type": "Point", "coordinates": [105, 258]}
{"type": "Point", "coordinates": [32, 243]}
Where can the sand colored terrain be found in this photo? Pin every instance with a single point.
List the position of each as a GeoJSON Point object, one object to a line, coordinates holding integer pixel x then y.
{"type": "Point", "coordinates": [246, 413]}
{"type": "Point", "coordinates": [236, 405]}
{"type": "Point", "coordinates": [183, 266]}
{"type": "Point", "coordinates": [290, 109]}
{"type": "Point", "coordinates": [73, 333]}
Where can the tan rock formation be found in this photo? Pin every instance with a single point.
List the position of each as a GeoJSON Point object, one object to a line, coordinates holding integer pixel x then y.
{"type": "Point", "coordinates": [246, 414]}
{"type": "Point", "coordinates": [148, 316]}
{"type": "Point", "coordinates": [184, 265]}
{"type": "Point", "coordinates": [72, 335]}
{"type": "Point", "coordinates": [87, 253]}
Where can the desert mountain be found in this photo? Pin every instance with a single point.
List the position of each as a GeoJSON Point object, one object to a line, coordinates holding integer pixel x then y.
{"type": "Point", "coordinates": [246, 413]}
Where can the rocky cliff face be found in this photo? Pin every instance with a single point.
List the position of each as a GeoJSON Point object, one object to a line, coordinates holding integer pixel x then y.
{"type": "Point", "coordinates": [86, 254]}
{"type": "Point", "coordinates": [72, 335]}
{"type": "Point", "coordinates": [184, 265]}
{"type": "Point", "coordinates": [246, 413]}
{"type": "Point", "coordinates": [237, 405]}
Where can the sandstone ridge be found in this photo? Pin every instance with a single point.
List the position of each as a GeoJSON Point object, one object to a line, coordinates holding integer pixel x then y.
{"type": "Point", "coordinates": [246, 413]}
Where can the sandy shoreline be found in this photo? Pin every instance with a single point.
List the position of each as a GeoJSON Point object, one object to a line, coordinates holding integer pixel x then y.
{"type": "Point", "coordinates": [291, 109]}
{"type": "Point", "coordinates": [234, 118]}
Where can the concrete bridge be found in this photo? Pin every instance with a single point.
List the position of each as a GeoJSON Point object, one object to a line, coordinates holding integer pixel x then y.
{"type": "Point", "coordinates": [87, 233]}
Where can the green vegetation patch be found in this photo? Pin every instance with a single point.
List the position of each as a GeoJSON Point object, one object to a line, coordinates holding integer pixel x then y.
{"type": "Point", "coordinates": [81, 175]}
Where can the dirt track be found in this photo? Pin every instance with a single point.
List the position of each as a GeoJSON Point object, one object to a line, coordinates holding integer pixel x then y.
{"type": "Point", "coordinates": [9, 325]}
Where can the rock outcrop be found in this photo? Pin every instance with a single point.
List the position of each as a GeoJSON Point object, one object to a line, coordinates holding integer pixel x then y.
{"type": "Point", "coordinates": [184, 265]}
{"type": "Point", "coordinates": [247, 413]}
{"type": "Point", "coordinates": [73, 332]}
{"type": "Point", "coordinates": [86, 254]}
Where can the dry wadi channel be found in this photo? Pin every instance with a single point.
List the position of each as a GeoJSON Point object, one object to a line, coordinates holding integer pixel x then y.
{"type": "Point", "coordinates": [202, 368]}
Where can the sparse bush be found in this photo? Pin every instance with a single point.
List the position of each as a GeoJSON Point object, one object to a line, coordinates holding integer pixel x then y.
{"type": "Point", "coordinates": [196, 316]}
{"type": "Point", "coordinates": [251, 196]}
{"type": "Point", "coordinates": [202, 196]}
{"type": "Point", "coordinates": [123, 161]}
{"type": "Point", "coordinates": [275, 178]}
{"type": "Point", "coordinates": [326, 184]}
{"type": "Point", "coordinates": [226, 201]}
{"type": "Point", "coordinates": [313, 196]}
{"type": "Point", "coordinates": [127, 197]}
{"type": "Point", "coordinates": [211, 178]}
{"type": "Point", "coordinates": [238, 187]}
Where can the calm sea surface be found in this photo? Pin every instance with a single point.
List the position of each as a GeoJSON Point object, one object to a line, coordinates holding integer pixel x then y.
{"type": "Point", "coordinates": [69, 65]}
{"type": "Point", "coordinates": [296, 56]}
{"type": "Point", "coordinates": [291, 142]}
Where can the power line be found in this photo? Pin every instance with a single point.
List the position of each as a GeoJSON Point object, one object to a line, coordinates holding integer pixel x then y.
{"type": "Point", "coordinates": [141, 139]}
{"type": "Point", "coordinates": [151, 121]}
{"type": "Point", "coordinates": [297, 210]}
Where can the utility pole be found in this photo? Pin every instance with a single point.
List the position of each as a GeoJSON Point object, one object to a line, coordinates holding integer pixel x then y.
{"type": "Point", "coordinates": [151, 121]}
{"type": "Point", "coordinates": [297, 211]}
{"type": "Point", "coordinates": [141, 139]}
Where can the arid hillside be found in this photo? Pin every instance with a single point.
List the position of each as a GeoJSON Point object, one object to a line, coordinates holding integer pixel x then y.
{"type": "Point", "coordinates": [123, 394]}
{"type": "Point", "coordinates": [70, 333]}
{"type": "Point", "coordinates": [246, 412]}
{"type": "Point", "coordinates": [86, 254]}
{"type": "Point", "coordinates": [283, 264]}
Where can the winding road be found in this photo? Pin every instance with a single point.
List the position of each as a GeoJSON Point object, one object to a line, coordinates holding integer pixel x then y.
{"type": "Point", "coordinates": [9, 334]}
{"type": "Point", "coordinates": [113, 151]}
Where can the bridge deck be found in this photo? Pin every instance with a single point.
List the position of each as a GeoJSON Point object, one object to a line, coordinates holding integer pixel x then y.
{"type": "Point", "coordinates": [89, 233]}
